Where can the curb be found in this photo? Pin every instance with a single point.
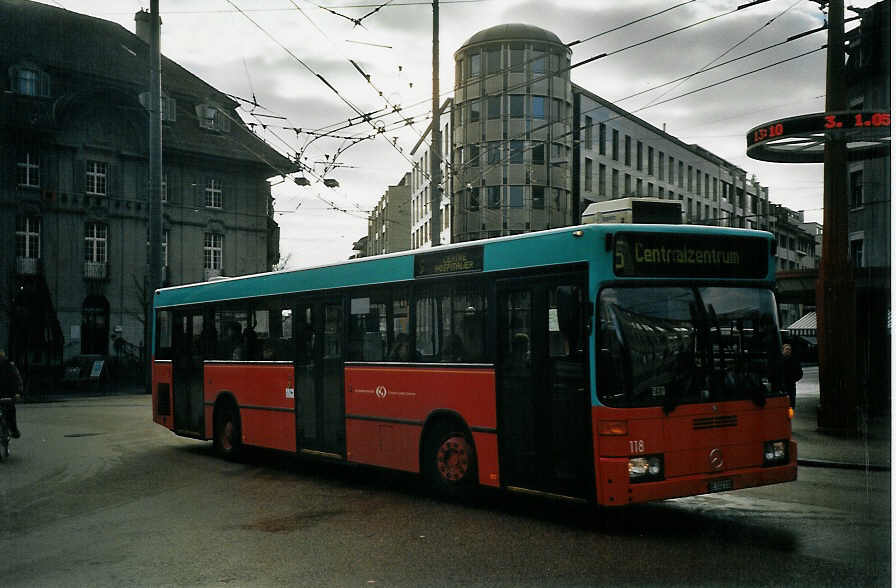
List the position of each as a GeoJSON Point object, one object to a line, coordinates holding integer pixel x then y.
{"type": "Point", "coordinates": [825, 463]}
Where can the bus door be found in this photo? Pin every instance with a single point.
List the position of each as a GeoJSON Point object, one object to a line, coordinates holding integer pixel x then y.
{"type": "Point", "coordinates": [187, 367]}
{"type": "Point", "coordinates": [320, 400]}
{"type": "Point", "coordinates": [543, 400]}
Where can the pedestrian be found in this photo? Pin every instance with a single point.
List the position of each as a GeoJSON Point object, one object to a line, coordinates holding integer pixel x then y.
{"type": "Point", "coordinates": [10, 387]}
{"type": "Point", "coordinates": [791, 372]}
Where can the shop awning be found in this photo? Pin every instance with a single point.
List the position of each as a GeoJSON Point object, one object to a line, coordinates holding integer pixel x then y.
{"type": "Point", "coordinates": [805, 326]}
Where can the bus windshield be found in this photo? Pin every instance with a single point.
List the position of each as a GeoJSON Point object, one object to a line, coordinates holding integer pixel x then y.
{"type": "Point", "coordinates": [665, 346]}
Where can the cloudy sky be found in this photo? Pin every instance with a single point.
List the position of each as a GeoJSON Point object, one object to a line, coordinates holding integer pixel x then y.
{"type": "Point", "coordinates": [275, 50]}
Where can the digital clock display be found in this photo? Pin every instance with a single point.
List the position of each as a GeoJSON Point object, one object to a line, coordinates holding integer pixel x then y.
{"type": "Point", "coordinates": [818, 123]}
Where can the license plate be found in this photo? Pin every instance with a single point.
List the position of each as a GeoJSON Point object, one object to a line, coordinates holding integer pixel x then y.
{"type": "Point", "coordinates": [721, 485]}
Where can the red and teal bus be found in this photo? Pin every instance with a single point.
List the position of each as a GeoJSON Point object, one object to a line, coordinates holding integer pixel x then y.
{"type": "Point", "coordinates": [611, 364]}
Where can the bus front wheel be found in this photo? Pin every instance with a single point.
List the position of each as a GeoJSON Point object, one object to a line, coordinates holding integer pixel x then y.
{"type": "Point", "coordinates": [228, 437]}
{"type": "Point", "coordinates": [450, 460]}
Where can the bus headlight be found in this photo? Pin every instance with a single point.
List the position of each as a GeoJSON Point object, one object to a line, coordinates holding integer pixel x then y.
{"type": "Point", "coordinates": [775, 452]}
{"type": "Point", "coordinates": [645, 469]}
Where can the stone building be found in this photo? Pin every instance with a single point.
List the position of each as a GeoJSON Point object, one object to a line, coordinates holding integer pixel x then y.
{"type": "Point", "coordinates": [868, 88]}
{"type": "Point", "coordinates": [387, 227]}
{"type": "Point", "coordinates": [74, 185]}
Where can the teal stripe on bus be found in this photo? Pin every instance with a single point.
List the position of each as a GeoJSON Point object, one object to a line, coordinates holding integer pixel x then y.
{"type": "Point", "coordinates": [529, 250]}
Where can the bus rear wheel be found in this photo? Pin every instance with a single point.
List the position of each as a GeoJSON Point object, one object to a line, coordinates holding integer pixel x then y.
{"type": "Point", "coordinates": [450, 460]}
{"type": "Point", "coordinates": [227, 434]}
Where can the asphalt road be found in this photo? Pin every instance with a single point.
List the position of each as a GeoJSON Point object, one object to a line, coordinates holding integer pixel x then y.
{"type": "Point", "coordinates": [95, 494]}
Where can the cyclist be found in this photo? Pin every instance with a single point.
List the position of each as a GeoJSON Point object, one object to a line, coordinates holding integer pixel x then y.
{"type": "Point", "coordinates": [10, 387]}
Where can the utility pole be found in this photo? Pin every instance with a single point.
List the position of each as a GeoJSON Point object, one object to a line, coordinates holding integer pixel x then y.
{"type": "Point", "coordinates": [154, 274]}
{"type": "Point", "coordinates": [435, 151]}
{"type": "Point", "coordinates": [835, 293]}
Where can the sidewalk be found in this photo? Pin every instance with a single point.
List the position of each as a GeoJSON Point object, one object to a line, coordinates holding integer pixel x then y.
{"type": "Point", "coordinates": [816, 449]}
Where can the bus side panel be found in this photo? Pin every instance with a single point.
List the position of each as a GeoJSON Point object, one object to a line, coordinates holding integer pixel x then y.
{"type": "Point", "coordinates": [386, 408]}
{"type": "Point", "coordinates": [264, 394]}
{"type": "Point", "coordinates": [161, 393]}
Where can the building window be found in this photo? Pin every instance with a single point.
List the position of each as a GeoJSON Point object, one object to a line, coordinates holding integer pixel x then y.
{"type": "Point", "coordinates": [639, 156]}
{"type": "Point", "coordinates": [493, 107]}
{"type": "Point", "coordinates": [516, 196]}
{"type": "Point", "coordinates": [856, 194]}
{"type": "Point", "coordinates": [538, 197]}
{"type": "Point", "coordinates": [475, 64]}
{"type": "Point", "coordinates": [494, 152]}
{"type": "Point", "coordinates": [680, 174]}
{"type": "Point", "coordinates": [671, 170]}
{"type": "Point", "coordinates": [615, 147]}
{"type": "Point", "coordinates": [538, 61]}
{"type": "Point", "coordinates": [213, 118]}
{"type": "Point", "coordinates": [213, 251]}
{"type": "Point", "coordinates": [516, 152]}
{"type": "Point", "coordinates": [494, 196]}
{"type": "Point", "coordinates": [661, 166]}
{"type": "Point", "coordinates": [28, 237]}
{"type": "Point", "coordinates": [690, 179]}
{"type": "Point", "coordinates": [96, 177]}
{"type": "Point", "coordinates": [474, 198]}
{"type": "Point", "coordinates": [475, 110]}
{"type": "Point", "coordinates": [628, 150]}
{"type": "Point", "coordinates": [538, 153]}
{"type": "Point", "coordinates": [602, 138]}
{"type": "Point", "coordinates": [649, 161]}
{"type": "Point", "coordinates": [588, 137]}
{"type": "Point", "coordinates": [473, 155]}
{"type": "Point", "coordinates": [601, 179]}
{"type": "Point", "coordinates": [615, 183]}
{"type": "Point", "coordinates": [31, 81]}
{"type": "Point", "coordinates": [628, 185]}
{"type": "Point", "coordinates": [516, 58]}
{"type": "Point", "coordinates": [28, 170]}
{"type": "Point", "coordinates": [857, 252]}
{"type": "Point", "coordinates": [214, 197]}
{"type": "Point", "coordinates": [558, 110]}
{"type": "Point", "coordinates": [588, 175]}
{"type": "Point", "coordinates": [537, 106]}
{"type": "Point", "coordinates": [515, 105]}
{"type": "Point", "coordinates": [95, 242]}
{"type": "Point", "coordinates": [492, 61]}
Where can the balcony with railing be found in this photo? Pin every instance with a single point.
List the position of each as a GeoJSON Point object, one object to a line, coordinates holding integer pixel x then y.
{"type": "Point", "coordinates": [96, 270]}
{"type": "Point", "coordinates": [27, 266]}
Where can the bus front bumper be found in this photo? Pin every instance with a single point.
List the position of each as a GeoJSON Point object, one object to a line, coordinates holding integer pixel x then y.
{"type": "Point", "coordinates": [614, 488]}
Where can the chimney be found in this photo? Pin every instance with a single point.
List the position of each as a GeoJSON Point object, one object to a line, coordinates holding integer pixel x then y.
{"type": "Point", "coordinates": [143, 20]}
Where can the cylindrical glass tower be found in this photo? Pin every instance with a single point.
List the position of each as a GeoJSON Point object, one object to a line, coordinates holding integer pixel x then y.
{"type": "Point", "coordinates": [512, 151]}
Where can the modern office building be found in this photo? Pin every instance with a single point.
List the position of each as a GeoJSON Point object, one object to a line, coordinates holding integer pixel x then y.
{"type": "Point", "coordinates": [526, 149]}
{"type": "Point", "coordinates": [74, 184]}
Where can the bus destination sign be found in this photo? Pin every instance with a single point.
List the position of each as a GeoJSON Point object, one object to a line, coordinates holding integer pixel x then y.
{"type": "Point", "coordinates": [667, 255]}
{"type": "Point", "coordinates": [456, 261]}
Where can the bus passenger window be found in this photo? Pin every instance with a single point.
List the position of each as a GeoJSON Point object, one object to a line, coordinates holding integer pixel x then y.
{"type": "Point", "coordinates": [281, 336]}
{"type": "Point", "coordinates": [163, 339]}
{"type": "Point", "coordinates": [367, 329]}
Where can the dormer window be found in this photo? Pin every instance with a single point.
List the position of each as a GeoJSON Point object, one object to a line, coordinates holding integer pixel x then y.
{"type": "Point", "coordinates": [212, 117]}
{"type": "Point", "coordinates": [169, 106]}
{"type": "Point", "coordinates": [29, 80]}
